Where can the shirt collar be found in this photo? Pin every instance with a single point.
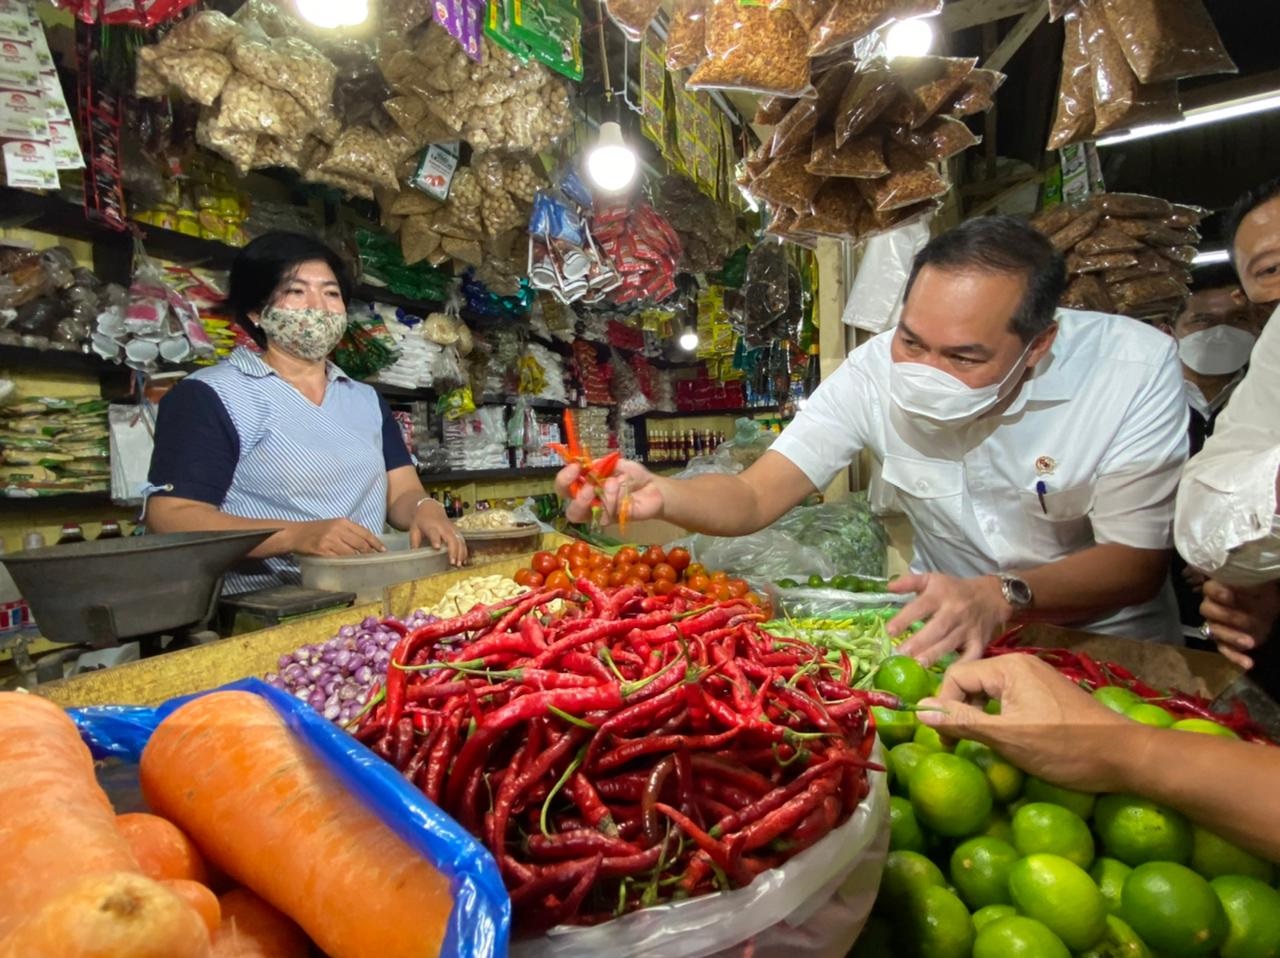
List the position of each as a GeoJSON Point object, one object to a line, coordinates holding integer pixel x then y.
{"type": "Point", "coordinates": [251, 363]}
{"type": "Point", "coordinates": [1047, 382]}
{"type": "Point", "coordinates": [1206, 407]}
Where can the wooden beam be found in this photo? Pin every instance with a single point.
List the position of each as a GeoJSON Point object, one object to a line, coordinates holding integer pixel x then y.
{"type": "Point", "coordinates": [962, 14]}
{"type": "Point", "coordinates": [1016, 37]}
{"type": "Point", "coordinates": [994, 201]}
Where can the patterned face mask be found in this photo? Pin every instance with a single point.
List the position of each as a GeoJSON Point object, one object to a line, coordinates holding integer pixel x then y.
{"type": "Point", "coordinates": [307, 333]}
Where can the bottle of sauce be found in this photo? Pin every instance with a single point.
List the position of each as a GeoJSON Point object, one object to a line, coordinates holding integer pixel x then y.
{"type": "Point", "coordinates": [71, 532]}
{"type": "Point", "coordinates": [110, 530]}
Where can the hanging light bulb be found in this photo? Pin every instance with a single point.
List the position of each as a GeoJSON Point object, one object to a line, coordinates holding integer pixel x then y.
{"type": "Point", "coordinates": [611, 164]}
{"type": "Point", "coordinates": [909, 38]}
{"type": "Point", "coordinates": [333, 14]}
{"type": "Point", "coordinates": [688, 339]}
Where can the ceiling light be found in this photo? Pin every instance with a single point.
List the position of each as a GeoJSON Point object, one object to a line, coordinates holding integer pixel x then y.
{"type": "Point", "coordinates": [332, 14]}
{"type": "Point", "coordinates": [909, 38]}
{"type": "Point", "coordinates": [1202, 116]}
{"type": "Point", "coordinates": [688, 339]}
{"type": "Point", "coordinates": [1210, 256]}
{"type": "Point", "coordinates": [611, 164]}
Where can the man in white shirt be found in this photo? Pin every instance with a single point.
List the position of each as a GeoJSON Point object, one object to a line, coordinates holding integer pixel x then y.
{"type": "Point", "coordinates": [1035, 450]}
{"type": "Point", "coordinates": [1228, 516]}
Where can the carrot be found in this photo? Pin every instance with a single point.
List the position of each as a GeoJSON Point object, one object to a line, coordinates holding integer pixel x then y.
{"type": "Point", "coordinates": [199, 897]}
{"type": "Point", "coordinates": [112, 915]}
{"type": "Point", "coordinates": [162, 850]}
{"type": "Point", "coordinates": [56, 824]}
{"type": "Point", "coordinates": [226, 769]}
{"type": "Point", "coordinates": [253, 929]}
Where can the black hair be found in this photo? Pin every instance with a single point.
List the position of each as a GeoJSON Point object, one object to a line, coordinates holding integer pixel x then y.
{"type": "Point", "coordinates": [1213, 276]}
{"type": "Point", "coordinates": [1003, 244]}
{"type": "Point", "coordinates": [266, 264]}
{"type": "Point", "coordinates": [1248, 201]}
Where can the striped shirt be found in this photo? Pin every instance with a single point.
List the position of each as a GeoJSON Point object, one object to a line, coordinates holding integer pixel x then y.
{"type": "Point", "coordinates": [241, 438]}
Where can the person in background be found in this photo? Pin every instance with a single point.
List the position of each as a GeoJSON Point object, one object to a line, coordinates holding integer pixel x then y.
{"type": "Point", "coordinates": [1035, 450]}
{"type": "Point", "coordinates": [1215, 331]}
{"type": "Point", "coordinates": [1049, 727]}
{"type": "Point", "coordinates": [1227, 521]}
{"type": "Point", "coordinates": [282, 438]}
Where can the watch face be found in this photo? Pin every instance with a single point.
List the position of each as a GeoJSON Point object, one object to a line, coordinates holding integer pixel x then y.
{"type": "Point", "coordinates": [1017, 591]}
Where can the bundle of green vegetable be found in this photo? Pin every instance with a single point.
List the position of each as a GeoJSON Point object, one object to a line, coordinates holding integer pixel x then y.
{"type": "Point", "coordinates": [860, 635]}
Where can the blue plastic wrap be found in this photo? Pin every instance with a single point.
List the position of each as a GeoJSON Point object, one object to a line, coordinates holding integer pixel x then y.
{"type": "Point", "coordinates": [480, 924]}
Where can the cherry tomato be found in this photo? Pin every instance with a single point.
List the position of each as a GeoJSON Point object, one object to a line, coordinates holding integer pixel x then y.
{"type": "Point", "coordinates": [664, 572]}
{"type": "Point", "coordinates": [559, 580]}
{"type": "Point", "coordinates": [738, 588]}
{"type": "Point", "coordinates": [544, 563]}
{"type": "Point", "coordinates": [642, 572]}
{"type": "Point", "coordinates": [699, 583]}
{"type": "Point", "coordinates": [638, 583]}
{"type": "Point", "coordinates": [663, 587]}
{"type": "Point", "coordinates": [678, 559]}
{"type": "Point", "coordinates": [719, 576]}
{"type": "Point", "coordinates": [580, 549]}
{"type": "Point", "coordinates": [694, 569]}
{"type": "Point", "coordinates": [563, 552]}
{"type": "Point", "coordinates": [522, 576]}
{"type": "Point", "coordinates": [535, 580]}
{"type": "Point", "coordinates": [601, 561]}
{"type": "Point", "coordinates": [626, 556]}
{"type": "Point", "coordinates": [653, 555]}
{"type": "Point", "coordinates": [600, 578]}
{"type": "Point", "coordinates": [720, 592]}
{"type": "Point", "coordinates": [617, 577]}
{"type": "Point", "coordinates": [753, 598]}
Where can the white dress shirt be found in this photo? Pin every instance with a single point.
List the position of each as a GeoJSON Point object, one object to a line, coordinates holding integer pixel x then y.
{"type": "Point", "coordinates": [1227, 524]}
{"type": "Point", "coordinates": [1101, 422]}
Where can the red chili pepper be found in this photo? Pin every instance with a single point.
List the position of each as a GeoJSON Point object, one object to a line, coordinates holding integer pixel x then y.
{"type": "Point", "coordinates": [583, 794]}
{"type": "Point", "coordinates": [717, 849]}
{"type": "Point", "coordinates": [576, 844]}
{"type": "Point", "coordinates": [782, 794]}
{"type": "Point", "coordinates": [632, 750]}
{"type": "Point", "coordinates": [784, 818]}
{"type": "Point", "coordinates": [733, 772]}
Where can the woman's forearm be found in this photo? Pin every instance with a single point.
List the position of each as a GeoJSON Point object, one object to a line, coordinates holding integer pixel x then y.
{"type": "Point", "coordinates": [402, 509]}
{"type": "Point", "coordinates": [170, 514]}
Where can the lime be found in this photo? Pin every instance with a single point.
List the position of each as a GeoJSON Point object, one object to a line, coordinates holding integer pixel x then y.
{"type": "Point", "coordinates": [1204, 726]}
{"type": "Point", "coordinates": [950, 794]}
{"type": "Point", "coordinates": [876, 940]}
{"type": "Point", "coordinates": [894, 728]}
{"type": "Point", "coordinates": [1110, 874]}
{"type": "Point", "coordinates": [1149, 714]}
{"type": "Point", "coordinates": [1116, 698]}
{"type": "Point", "coordinates": [980, 871]}
{"type": "Point", "coordinates": [904, 677]}
{"type": "Point", "coordinates": [1005, 779]}
{"type": "Point", "coordinates": [903, 760]}
{"type": "Point", "coordinates": [906, 874]}
{"type": "Point", "coordinates": [1135, 830]}
{"type": "Point", "coordinates": [787, 583]}
{"type": "Point", "coordinates": [998, 826]}
{"type": "Point", "coordinates": [930, 739]}
{"type": "Point", "coordinates": [989, 913]}
{"type": "Point", "coordinates": [1253, 917]}
{"type": "Point", "coordinates": [845, 583]}
{"type": "Point", "coordinates": [1018, 937]}
{"type": "Point", "coordinates": [1174, 910]}
{"type": "Point", "coordinates": [937, 925]}
{"type": "Point", "coordinates": [1212, 856]}
{"type": "Point", "coordinates": [1044, 827]}
{"type": "Point", "coordinates": [1038, 790]}
{"type": "Point", "coordinates": [904, 831]}
{"type": "Point", "coordinates": [1120, 941]}
{"type": "Point", "coordinates": [1062, 895]}
{"type": "Point", "coordinates": [992, 707]}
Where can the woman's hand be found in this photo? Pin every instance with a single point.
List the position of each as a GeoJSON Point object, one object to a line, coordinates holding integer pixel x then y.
{"type": "Point", "coordinates": [1240, 620]}
{"type": "Point", "coordinates": [332, 537]}
{"type": "Point", "coordinates": [628, 479]}
{"type": "Point", "coordinates": [432, 526]}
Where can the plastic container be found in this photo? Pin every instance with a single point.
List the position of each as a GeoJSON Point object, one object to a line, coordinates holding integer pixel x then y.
{"type": "Point", "coordinates": [368, 575]}
{"type": "Point", "coordinates": [494, 545]}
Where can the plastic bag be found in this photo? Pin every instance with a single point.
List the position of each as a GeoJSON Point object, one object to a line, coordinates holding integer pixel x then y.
{"type": "Point", "coordinates": [291, 65]}
{"type": "Point", "coordinates": [771, 109]}
{"type": "Point", "coordinates": [860, 157]}
{"type": "Point", "coordinates": [866, 97]}
{"type": "Point", "coordinates": [928, 84]}
{"type": "Point", "coordinates": [806, 603]}
{"type": "Point", "coordinates": [911, 180]}
{"type": "Point", "coordinates": [835, 212]}
{"type": "Point", "coordinates": [197, 74]}
{"type": "Point", "coordinates": [1120, 99]}
{"type": "Point", "coordinates": [1080, 227]}
{"type": "Point", "coordinates": [687, 35]}
{"type": "Point", "coordinates": [359, 153]}
{"type": "Point", "coordinates": [1097, 264]}
{"type": "Point", "coordinates": [1053, 219]}
{"type": "Point", "coordinates": [481, 913]}
{"type": "Point", "coordinates": [247, 106]}
{"type": "Point", "coordinates": [1130, 205]}
{"type": "Point", "coordinates": [846, 21]}
{"type": "Point", "coordinates": [938, 139]}
{"type": "Point", "coordinates": [203, 30]}
{"type": "Point", "coordinates": [1149, 289]}
{"type": "Point", "coordinates": [786, 182]}
{"type": "Point", "coordinates": [1087, 292]}
{"type": "Point", "coordinates": [1107, 239]}
{"type": "Point", "coordinates": [875, 299]}
{"type": "Point", "coordinates": [633, 16]}
{"type": "Point", "coordinates": [754, 49]}
{"type": "Point", "coordinates": [794, 131]}
{"type": "Point", "coordinates": [978, 93]}
{"type": "Point", "coordinates": [1074, 118]}
{"type": "Point", "coordinates": [1167, 39]}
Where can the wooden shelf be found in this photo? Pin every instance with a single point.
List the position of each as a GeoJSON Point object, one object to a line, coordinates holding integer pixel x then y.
{"type": "Point", "coordinates": [65, 500]}
{"type": "Point", "coordinates": [488, 475]}
{"type": "Point", "coordinates": [57, 360]}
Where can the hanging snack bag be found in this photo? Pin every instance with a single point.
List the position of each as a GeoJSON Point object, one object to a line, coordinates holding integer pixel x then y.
{"type": "Point", "coordinates": [862, 157]}
{"type": "Point", "coordinates": [753, 49]}
{"type": "Point", "coordinates": [911, 180]}
{"type": "Point", "coordinates": [633, 16]}
{"type": "Point", "coordinates": [687, 35]}
{"type": "Point", "coordinates": [1120, 99]}
{"type": "Point", "coordinates": [794, 131]}
{"type": "Point", "coordinates": [1074, 118]}
{"type": "Point", "coordinates": [1167, 39]}
{"type": "Point", "coordinates": [867, 96]}
{"type": "Point", "coordinates": [928, 84]}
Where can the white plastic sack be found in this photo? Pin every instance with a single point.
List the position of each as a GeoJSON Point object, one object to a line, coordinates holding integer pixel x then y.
{"type": "Point", "coordinates": [875, 301]}
{"type": "Point", "coordinates": [132, 430]}
{"type": "Point", "coordinates": [814, 906]}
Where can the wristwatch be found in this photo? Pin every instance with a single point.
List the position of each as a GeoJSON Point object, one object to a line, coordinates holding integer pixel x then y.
{"type": "Point", "coordinates": [1017, 592]}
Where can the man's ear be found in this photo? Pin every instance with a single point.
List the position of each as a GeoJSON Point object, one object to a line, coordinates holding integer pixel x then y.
{"type": "Point", "coordinates": [1041, 344]}
{"type": "Point", "coordinates": [1166, 328]}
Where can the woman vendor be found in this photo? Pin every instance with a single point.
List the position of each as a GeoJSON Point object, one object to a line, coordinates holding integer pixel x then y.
{"type": "Point", "coordinates": [282, 438]}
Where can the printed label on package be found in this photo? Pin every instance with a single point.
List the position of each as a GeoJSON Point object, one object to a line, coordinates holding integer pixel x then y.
{"type": "Point", "coordinates": [436, 168]}
{"type": "Point", "coordinates": [22, 115]}
{"type": "Point", "coordinates": [30, 165]}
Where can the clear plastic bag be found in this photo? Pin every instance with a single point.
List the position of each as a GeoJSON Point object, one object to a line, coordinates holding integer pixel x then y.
{"type": "Point", "coordinates": [866, 97]}
{"type": "Point", "coordinates": [928, 84]}
{"type": "Point", "coordinates": [1054, 218]}
{"type": "Point", "coordinates": [847, 21]}
{"type": "Point", "coordinates": [247, 106]}
{"type": "Point", "coordinates": [786, 182]}
{"type": "Point", "coordinates": [875, 299]}
{"type": "Point", "coordinates": [687, 35]}
{"type": "Point", "coordinates": [754, 49]}
{"type": "Point", "coordinates": [1097, 264]}
{"type": "Point", "coordinates": [1149, 289]}
{"type": "Point", "coordinates": [1120, 99]}
{"type": "Point", "coordinates": [911, 180]}
{"type": "Point", "coordinates": [771, 109]}
{"type": "Point", "coordinates": [978, 93]}
{"type": "Point", "coordinates": [1088, 292]}
{"type": "Point", "coordinates": [860, 157]}
{"type": "Point", "coordinates": [1074, 117]}
{"type": "Point", "coordinates": [836, 210]}
{"type": "Point", "coordinates": [1167, 39]}
{"type": "Point", "coordinates": [794, 131]}
{"type": "Point", "coordinates": [633, 16]}
{"type": "Point", "coordinates": [204, 30]}
{"type": "Point", "coordinates": [1107, 239]}
{"type": "Point", "coordinates": [291, 65]}
{"type": "Point", "coordinates": [938, 139]}
{"type": "Point", "coordinates": [197, 74]}
{"type": "Point", "coordinates": [361, 154]}
{"type": "Point", "coordinates": [1130, 205]}
{"type": "Point", "coordinates": [1076, 230]}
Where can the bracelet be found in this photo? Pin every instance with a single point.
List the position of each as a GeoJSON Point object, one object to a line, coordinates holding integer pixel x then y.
{"type": "Point", "coordinates": [418, 505]}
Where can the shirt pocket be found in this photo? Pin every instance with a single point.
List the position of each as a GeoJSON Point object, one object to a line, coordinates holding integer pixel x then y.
{"type": "Point", "coordinates": [931, 492]}
{"type": "Point", "coordinates": [1061, 524]}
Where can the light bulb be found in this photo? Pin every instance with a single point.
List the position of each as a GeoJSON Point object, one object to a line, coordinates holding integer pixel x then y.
{"type": "Point", "coordinates": [688, 339]}
{"type": "Point", "coordinates": [332, 14]}
{"type": "Point", "coordinates": [909, 38]}
{"type": "Point", "coordinates": [611, 164]}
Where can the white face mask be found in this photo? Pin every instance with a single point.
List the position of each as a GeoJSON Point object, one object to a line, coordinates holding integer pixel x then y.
{"type": "Point", "coordinates": [1217, 350]}
{"type": "Point", "coordinates": [927, 393]}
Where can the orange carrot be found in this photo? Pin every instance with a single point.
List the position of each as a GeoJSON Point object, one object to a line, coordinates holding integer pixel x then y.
{"type": "Point", "coordinates": [162, 850]}
{"type": "Point", "coordinates": [227, 770]}
{"type": "Point", "coordinates": [56, 824]}
{"type": "Point", "coordinates": [253, 929]}
{"type": "Point", "coordinates": [200, 898]}
{"type": "Point", "coordinates": [111, 915]}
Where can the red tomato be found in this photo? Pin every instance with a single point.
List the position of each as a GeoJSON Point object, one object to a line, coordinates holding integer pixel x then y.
{"type": "Point", "coordinates": [642, 572]}
{"type": "Point", "coordinates": [563, 552]}
{"type": "Point", "coordinates": [535, 580]}
{"type": "Point", "coordinates": [544, 563]}
{"type": "Point", "coordinates": [636, 583]}
{"type": "Point", "coordinates": [663, 587]}
{"type": "Point", "coordinates": [626, 556]}
{"type": "Point", "coordinates": [720, 592]}
{"type": "Point", "coordinates": [718, 577]}
{"type": "Point", "coordinates": [559, 580]}
{"type": "Point", "coordinates": [522, 576]}
{"type": "Point", "coordinates": [699, 583]}
{"type": "Point", "coordinates": [600, 578]}
{"type": "Point", "coordinates": [738, 588]}
{"type": "Point", "coordinates": [577, 567]}
{"type": "Point", "coordinates": [653, 555]}
{"type": "Point", "coordinates": [753, 599]}
{"type": "Point", "coordinates": [664, 572]}
{"type": "Point", "coordinates": [617, 577]}
{"type": "Point", "coordinates": [678, 559]}
{"type": "Point", "coordinates": [601, 561]}
{"type": "Point", "coordinates": [580, 551]}
{"type": "Point", "coordinates": [694, 569]}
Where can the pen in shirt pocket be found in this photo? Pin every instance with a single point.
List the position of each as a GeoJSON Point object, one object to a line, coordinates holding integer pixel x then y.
{"type": "Point", "coordinates": [1041, 489]}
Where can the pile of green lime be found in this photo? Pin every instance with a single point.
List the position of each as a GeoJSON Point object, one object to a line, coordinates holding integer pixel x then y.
{"type": "Point", "coordinates": [987, 862]}
{"type": "Point", "coordinates": [845, 583]}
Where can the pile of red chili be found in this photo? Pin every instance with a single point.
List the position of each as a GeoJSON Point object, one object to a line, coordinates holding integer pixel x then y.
{"type": "Point", "coordinates": [1090, 674]}
{"type": "Point", "coordinates": [627, 749]}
